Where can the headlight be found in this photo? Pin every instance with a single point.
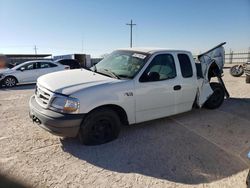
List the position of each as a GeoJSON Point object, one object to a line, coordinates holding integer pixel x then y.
{"type": "Point", "coordinates": [65, 104]}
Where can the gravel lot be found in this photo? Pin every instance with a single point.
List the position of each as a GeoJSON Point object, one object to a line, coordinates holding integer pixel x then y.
{"type": "Point", "coordinates": [201, 148]}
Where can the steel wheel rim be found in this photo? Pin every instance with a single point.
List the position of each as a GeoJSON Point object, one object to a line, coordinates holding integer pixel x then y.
{"type": "Point", "coordinates": [102, 130]}
{"type": "Point", "coordinates": [237, 70]}
{"type": "Point", "coordinates": [10, 82]}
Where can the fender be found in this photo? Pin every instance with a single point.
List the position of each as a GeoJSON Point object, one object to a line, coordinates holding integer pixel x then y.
{"type": "Point", "coordinates": [117, 95]}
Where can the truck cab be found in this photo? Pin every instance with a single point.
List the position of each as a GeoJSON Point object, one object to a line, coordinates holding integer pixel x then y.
{"type": "Point", "coordinates": [127, 87]}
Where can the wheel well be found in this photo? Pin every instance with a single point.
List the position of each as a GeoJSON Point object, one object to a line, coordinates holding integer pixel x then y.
{"type": "Point", "coordinates": [12, 77]}
{"type": "Point", "coordinates": [213, 71]}
{"type": "Point", "coordinates": [119, 110]}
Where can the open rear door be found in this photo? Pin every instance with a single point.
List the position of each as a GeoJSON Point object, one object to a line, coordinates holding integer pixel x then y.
{"type": "Point", "coordinates": [212, 59]}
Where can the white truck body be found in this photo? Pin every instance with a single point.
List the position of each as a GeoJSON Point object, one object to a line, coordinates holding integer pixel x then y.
{"type": "Point", "coordinates": [147, 101]}
{"type": "Point", "coordinates": [140, 100]}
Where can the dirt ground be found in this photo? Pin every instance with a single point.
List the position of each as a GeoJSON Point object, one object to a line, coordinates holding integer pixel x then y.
{"type": "Point", "coordinates": [201, 148]}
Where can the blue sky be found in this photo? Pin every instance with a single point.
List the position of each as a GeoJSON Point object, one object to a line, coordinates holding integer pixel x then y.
{"type": "Point", "coordinates": [98, 26]}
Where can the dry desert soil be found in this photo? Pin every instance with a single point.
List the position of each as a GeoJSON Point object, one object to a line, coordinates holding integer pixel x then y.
{"type": "Point", "coordinates": [200, 148]}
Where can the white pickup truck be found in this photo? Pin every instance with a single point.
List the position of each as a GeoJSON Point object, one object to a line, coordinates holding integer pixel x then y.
{"type": "Point", "coordinates": [128, 87]}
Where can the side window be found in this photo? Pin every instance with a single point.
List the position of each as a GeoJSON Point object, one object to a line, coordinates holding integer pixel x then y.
{"type": "Point", "coordinates": [162, 67]}
{"type": "Point", "coordinates": [29, 66]}
{"type": "Point", "coordinates": [186, 66]}
{"type": "Point", "coordinates": [44, 65]}
{"type": "Point", "coordinates": [52, 65]}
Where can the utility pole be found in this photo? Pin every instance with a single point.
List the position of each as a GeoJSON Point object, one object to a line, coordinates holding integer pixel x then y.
{"type": "Point", "coordinates": [82, 45]}
{"type": "Point", "coordinates": [35, 48]}
{"type": "Point", "coordinates": [131, 32]}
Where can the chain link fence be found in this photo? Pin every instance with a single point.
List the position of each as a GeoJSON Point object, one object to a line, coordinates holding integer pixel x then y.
{"type": "Point", "coordinates": [232, 57]}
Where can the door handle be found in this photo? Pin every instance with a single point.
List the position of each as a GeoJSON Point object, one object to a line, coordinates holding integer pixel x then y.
{"type": "Point", "coordinates": [177, 87]}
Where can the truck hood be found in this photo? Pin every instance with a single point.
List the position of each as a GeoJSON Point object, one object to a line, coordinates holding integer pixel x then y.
{"type": "Point", "coordinates": [69, 81]}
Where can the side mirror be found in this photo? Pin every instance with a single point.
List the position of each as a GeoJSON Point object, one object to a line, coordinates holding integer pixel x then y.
{"type": "Point", "coordinates": [153, 76]}
{"type": "Point", "coordinates": [22, 69]}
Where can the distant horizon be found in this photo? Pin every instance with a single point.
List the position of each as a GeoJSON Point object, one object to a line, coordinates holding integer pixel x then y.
{"type": "Point", "coordinates": [227, 50]}
{"type": "Point", "coordinates": [96, 28]}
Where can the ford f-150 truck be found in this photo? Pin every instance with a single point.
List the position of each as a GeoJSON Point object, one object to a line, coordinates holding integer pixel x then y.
{"type": "Point", "coordinates": [127, 87]}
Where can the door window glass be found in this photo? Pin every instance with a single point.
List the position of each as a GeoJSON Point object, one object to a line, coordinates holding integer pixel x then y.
{"type": "Point", "coordinates": [29, 66]}
{"type": "Point", "coordinates": [44, 65]}
{"type": "Point", "coordinates": [186, 66]}
{"type": "Point", "coordinates": [162, 67]}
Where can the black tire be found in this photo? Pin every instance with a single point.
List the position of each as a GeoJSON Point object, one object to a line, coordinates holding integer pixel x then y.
{"type": "Point", "coordinates": [237, 70]}
{"type": "Point", "coordinates": [247, 78]}
{"type": "Point", "coordinates": [99, 127]}
{"type": "Point", "coordinates": [10, 81]}
{"type": "Point", "coordinates": [217, 98]}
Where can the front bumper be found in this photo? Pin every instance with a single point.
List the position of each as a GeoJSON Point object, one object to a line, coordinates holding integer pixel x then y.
{"type": "Point", "coordinates": [66, 125]}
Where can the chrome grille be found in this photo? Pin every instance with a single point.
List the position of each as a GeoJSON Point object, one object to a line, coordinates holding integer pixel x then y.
{"type": "Point", "coordinates": [43, 96]}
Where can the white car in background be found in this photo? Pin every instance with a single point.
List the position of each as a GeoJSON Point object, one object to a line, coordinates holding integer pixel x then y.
{"type": "Point", "coordinates": [29, 72]}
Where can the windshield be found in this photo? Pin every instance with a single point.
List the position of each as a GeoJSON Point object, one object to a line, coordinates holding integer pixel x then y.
{"type": "Point", "coordinates": [17, 65]}
{"type": "Point", "coordinates": [122, 64]}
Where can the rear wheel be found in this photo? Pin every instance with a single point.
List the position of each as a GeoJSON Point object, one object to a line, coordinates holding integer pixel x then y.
{"type": "Point", "coordinates": [217, 98]}
{"type": "Point", "coordinates": [10, 81]}
{"type": "Point", "coordinates": [237, 70]}
{"type": "Point", "coordinates": [99, 127]}
{"type": "Point", "coordinates": [247, 78]}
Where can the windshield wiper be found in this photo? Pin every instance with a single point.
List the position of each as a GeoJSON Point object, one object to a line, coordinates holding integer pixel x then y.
{"type": "Point", "coordinates": [95, 69]}
{"type": "Point", "coordinates": [124, 76]}
{"type": "Point", "coordinates": [110, 73]}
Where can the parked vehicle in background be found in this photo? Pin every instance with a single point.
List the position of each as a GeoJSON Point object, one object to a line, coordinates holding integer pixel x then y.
{"type": "Point", "coordinates": [28, 72]}
{"type": "Point", "coordinates": [238, 70]}
{"type": "Point", "coordinates": [72, 63]}
{"type": "Point", "coordinates": [127, 87]}
{"type": "Point", "coordinates": [83, 59]}
{"type": "Point", "coordinates": [247, 72]}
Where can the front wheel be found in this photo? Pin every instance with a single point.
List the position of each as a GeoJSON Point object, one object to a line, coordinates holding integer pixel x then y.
{"type": "Point", "coordinates": [217, 98]}
{"type": "Point", "coordinates": [10, 81]}
{"type": "Point", "coordinates": [99, 127]}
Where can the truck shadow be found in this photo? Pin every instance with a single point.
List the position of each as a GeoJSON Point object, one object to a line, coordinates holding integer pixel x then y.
{"type": "Point", "coordinates": [238, 106]}
{"type": "Point", "coordinates": [163, 149]}
{"type": "Point", "coordinates": [6, 181]}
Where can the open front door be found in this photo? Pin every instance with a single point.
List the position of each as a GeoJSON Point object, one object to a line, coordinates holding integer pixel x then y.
{"type": "Point", "coordinates": [213, 57]}
{"type": "Point", "coordinates": [212, 63]}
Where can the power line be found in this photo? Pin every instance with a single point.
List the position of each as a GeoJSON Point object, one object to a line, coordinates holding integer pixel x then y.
{"type": "Point", "coordinates": [131, 24]}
